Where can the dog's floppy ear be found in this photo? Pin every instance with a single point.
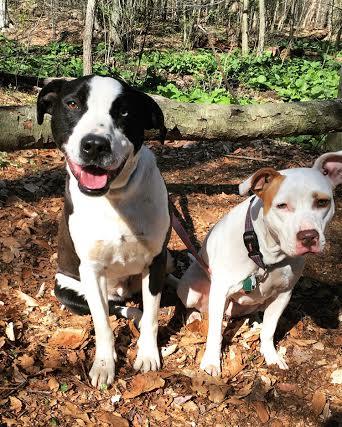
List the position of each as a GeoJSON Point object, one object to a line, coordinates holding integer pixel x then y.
{"type": "Point", "coordinates": [47, 97]}
{"type": "Point", "coordinates": [153, 116]}
{"type": "Point", "coordinates": [259, 182]}
{"type": "Point", "coordinates": [330, 164]}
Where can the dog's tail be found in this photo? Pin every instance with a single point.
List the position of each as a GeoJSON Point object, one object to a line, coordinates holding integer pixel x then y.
{"type": "Point", "coordinates": [70, 293]}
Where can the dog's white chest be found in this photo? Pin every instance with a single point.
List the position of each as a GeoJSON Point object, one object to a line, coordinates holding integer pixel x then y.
{"type": "Point", "coordinates": [120, 240]}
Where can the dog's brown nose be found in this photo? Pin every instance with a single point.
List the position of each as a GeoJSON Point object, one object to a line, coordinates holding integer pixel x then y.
{"type": "Point", "coordinates": [308, 238]}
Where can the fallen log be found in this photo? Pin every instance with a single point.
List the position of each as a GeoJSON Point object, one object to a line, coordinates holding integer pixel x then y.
{"type": "Point", "coordinates": [334, 140]}
{"type": "Point", "coordinates": [19, 129]}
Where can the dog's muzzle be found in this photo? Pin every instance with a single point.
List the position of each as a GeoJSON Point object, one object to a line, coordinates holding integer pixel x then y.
{"type": "Point", "coordinates": [95, 173]}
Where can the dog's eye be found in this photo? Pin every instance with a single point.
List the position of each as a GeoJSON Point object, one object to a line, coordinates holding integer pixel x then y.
{"type": "Point", "coordinates": [282, 206]}
{"type": "Point", "coordinates": [72, 105]}
{"type": "Point", "coordinates": [322, 203]}
{"type": "Point", "coordinates": [124, 113]}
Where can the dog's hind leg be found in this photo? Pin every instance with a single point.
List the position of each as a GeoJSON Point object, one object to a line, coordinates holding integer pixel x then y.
{"type": "Point", "coordinates": [70, 293]}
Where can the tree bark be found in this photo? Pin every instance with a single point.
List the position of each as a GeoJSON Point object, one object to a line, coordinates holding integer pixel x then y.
{"type": "Point", "coordinates": [87, 38]}
{"type": "Point", "coordinates": [3, 14]}
{"type": "Point", "coordinates": [20, 130]}
{"type": "Point", "coordinates": [244, 28]}
{"type": "Point", "coordinates": [262, 26]}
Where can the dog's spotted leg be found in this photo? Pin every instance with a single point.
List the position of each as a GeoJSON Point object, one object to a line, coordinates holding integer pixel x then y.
{"type": "Point", "coordinates": [271, 317]}
{"type": "Point", "coordinates": [94, 282]}
{"type": "Point", "coordinates": [217, 301]}
{"type": "Point", "coordinates": [148, 358]}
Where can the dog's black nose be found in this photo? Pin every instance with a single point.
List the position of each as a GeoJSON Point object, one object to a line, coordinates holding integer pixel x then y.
{"type": "Point", "coordinates": [308, 237]}
{"type": "Point", "coordinates": [94, 147]}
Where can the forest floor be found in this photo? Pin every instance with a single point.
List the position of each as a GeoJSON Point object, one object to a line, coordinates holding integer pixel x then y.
{"type": "Point", "coordinates": [46, 352]}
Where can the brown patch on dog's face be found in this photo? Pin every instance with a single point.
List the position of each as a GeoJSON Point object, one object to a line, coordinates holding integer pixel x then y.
{"type": "Point", "coordinates": [271, 191]}
{"type": "Point", "coordinates": [265, 184]}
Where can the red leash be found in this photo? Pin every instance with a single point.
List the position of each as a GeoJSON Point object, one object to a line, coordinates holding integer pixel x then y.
{"type": "Point", "coordinates": [183, 235]}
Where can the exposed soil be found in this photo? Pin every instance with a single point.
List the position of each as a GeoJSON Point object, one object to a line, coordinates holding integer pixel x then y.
{"type": "Point", "coordinates": [46, 352]}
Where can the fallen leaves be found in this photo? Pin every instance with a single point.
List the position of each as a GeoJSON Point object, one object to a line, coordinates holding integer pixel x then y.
{"type": "Point", "coordinates": [29, 301]}
{"type": "Point", "coordinates": [15, 404]}
{"type": "Point", "coordinates": [235, 363]}
{"type": "Point", "coordinates": [68, 338]}
{"type": "Point", "coordinates": [143, 383]}
{"type": "Point", "coordinates": [261, 411]}
{"type": "Point", "coordinates": [112, 419]}
{"type": "Point", "coordinates": [72, 410]}
{"type": "Point", "coordinates": [26, 361]}
{"type": "Point", "coordinates": [301, 342]}
{"type": "Point", "coordinates": [318, 402]}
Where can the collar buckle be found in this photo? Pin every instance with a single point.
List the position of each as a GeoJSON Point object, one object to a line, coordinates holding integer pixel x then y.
{"type": "Point", "coordinates": [251, 242]}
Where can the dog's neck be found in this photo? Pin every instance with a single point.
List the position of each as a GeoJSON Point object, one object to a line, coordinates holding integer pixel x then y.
{"type": "Point", "coordinates": [125, 175]}
{"type": "Point", "coordinates": [268, 242]}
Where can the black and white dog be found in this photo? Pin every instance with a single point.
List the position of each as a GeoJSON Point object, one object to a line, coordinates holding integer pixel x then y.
{"type": "Point", "coordinates": [116, 223]}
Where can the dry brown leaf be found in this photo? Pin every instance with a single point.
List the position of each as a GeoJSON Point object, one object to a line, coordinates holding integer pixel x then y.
{"type": "Point", "coordinates": [112, 419]}
{"type": "Point", "coordinates": [16, 404]}
{"type": "Point", "coordinates": [302, 343]}
{"type": "Point", "coordinates": [68, 338]}
{"type": "Point", "coordinates": [2, 341]}
{"type": "Point", "coordinates": [276, 423]}
{"type": "Point", "coordinates": [198, 327]}
{"type": "Point", "coordinates": [186, 340]}
{"type": "Point", "coordinates": [133, 329]}
{"type": "Point", "coordinates": [52, 358]}
{"type": "Point", "coordinates": [7, 257]}
{"type": "Point", "coordinates": [190, 406]}
{"type": "Point", "coordinates": [53, 384]}
{"type": "Point", "coordinates": [318, 402]}
{"type": "Point", "coordinates": [10, 242]}
{"type": "Point", "coordinates": [245, 391]}
{"type": "Point", "coordinates": [26, 361]}
{"type": "Point", "coordinates": [217, 393]}
{"type": "Point", "coordinates": [29, 301]}
{"type": "Point", "coordinates": [143, 383]}
{"type": "Point", "coordinates": [72, 357]}
{"type": "Point", "coordinates": [235, 364]}
{"type": "Point", "coordinates": [262, 411]}
{"type": "Point", "coordinates": [286, 387]}
{"type": "Point", "coordinates": [160, 416]}
{"type": "Point", "coordinates": [73, 410]}
{"type": "Point", "coordinates": [199, 387]}
{"type": "Point", "coordinates": [10, 421]}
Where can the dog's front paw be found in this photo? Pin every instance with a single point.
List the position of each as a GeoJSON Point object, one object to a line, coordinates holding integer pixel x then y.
{"type": "Point", "coordinates": [147, 359]}
{"type": "Point", "coordinates": [103, 370]}
{"type": "Point", "coordinates": [272, 357]}
{"type": "Point", "coordinates": [211, 364]}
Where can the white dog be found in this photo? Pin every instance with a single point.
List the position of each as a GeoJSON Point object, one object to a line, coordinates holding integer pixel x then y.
{"type": "Point", "coordinates": [255, 252]}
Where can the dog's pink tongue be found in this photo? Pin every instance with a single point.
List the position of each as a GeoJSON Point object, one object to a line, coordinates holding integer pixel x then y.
{"type": "Point", "coordinates": [92, 181]}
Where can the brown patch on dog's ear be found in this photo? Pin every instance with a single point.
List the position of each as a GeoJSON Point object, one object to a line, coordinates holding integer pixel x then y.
{"type": "Point", "coordinates": [265, 184]}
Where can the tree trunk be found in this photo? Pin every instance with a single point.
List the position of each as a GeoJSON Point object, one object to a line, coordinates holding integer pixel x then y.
{"type": "Point", "coordinates": [3, 14]}
{"type": "Point", "coordinates": [244, 28]}
{"type": "Point", "coordinates": [334, 140]}
{"type": "Point", "coordinates": [87, 38]}
{"type": "Point", "coordinates": [20, 130]}
{"type": "Point", "coordinates": [262, 26]}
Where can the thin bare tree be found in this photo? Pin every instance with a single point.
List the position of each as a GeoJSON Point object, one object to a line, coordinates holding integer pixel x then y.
{"type": "Point", "coordinates": [244, 27]}
{"type": "Point", "coordinates": [87, 37]}
{"type": "Point", "coordinates": [262, 27]}
{"type": "Point", "coordinates": [3, 14]}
